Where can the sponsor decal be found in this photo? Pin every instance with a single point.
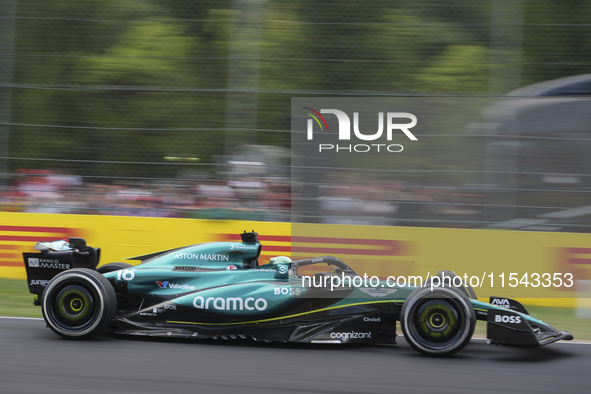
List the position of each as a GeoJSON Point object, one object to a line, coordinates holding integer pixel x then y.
{"type": "Point", "coordinates": [351, 335]}
{"type": "Point", "coordinates": [39, 282]}
{"type": "Point", "coordinates": [501, 302]}
{"type": "Point", "coordinates": [202, 256]}
{"type": "Point", "coordinates": [170, 307]}
{"type": "Point", "coordinates": [47, 263]}
{"type": "Point", "coordinates": [154, 312]}
{"type": "Point", "coordinates": [230, 303]}
{"type": "Point", "coordinates": [232, 267]}
{"type": "Point", "coordinates": [507, 319]}
{"type": "Point", "coordinates": [376, 292]}
{"type": "Point", "coordinates": [483, 313]}
{"type": "Point", "coordinates": [165, 284]}
{"type": "Point", "coordinates": [56, 266]}
{"type": "Point", "coordinates": [181, 287]}
{"type": "Point", "coordinates": [287, 290]}
{"type": "Point", "coordinates": [243, 247]}
{"type": "Point", "coordinates": [282, 269]}
{"type": "Point", "coordinates": [264, 270]}
{"type": "Point", "coordinates": [372, 319]}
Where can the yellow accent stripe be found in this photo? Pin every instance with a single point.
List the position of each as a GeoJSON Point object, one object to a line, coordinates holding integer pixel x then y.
{"type": "Point", "coordinates": [285, 317]}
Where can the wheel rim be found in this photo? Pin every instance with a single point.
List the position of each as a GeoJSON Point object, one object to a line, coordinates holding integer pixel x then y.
{"type": "Point", "coordinates": [73, 307]}
{"type": "Point", "coordinates": [436, 324]}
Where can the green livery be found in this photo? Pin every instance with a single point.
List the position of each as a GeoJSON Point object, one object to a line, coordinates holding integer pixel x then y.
{"type": "Point", "coordinates": [218, 290]}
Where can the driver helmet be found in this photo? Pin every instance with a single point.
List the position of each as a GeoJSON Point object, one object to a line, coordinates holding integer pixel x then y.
{"type": "Point", "coordinates": [280, 260]}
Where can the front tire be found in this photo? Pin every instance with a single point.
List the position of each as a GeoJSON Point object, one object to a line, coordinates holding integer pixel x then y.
{"type": "Point", "coordinates": [437, 322]}
{"type": "Point", "coordinates": [79, 303]}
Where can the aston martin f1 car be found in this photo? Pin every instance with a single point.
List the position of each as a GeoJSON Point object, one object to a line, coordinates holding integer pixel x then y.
{"type": "Point", "coordinates": [218, 290]}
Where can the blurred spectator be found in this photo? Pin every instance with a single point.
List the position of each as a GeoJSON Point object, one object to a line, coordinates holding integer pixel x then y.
{"type": "Point", "coordinates": [347, 199]}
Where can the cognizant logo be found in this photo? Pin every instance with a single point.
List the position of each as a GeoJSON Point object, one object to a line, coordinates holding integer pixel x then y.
{"type": "Point", "coordinates": [350, 335]}
{"type": "Point", "coordinates": [345, 130]}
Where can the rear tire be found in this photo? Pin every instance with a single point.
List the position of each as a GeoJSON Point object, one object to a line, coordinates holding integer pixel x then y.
{"type": "Point", "coordinates": [79, 303]}
{"type": "Point", "coordinates": [103, 269]}
{"type": "Point", "coordinates": [437, 322]}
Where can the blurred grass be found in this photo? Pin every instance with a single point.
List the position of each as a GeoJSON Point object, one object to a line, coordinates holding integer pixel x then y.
{"type": "Point", "coordinates": [15, 300]}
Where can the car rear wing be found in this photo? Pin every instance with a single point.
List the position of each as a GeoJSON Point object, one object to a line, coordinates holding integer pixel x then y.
{"type": "Point", "coordinates": [55, 257]}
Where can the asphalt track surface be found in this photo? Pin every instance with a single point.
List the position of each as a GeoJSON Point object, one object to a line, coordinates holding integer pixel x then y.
{"type": "Point", "coordinates": [34, 360]}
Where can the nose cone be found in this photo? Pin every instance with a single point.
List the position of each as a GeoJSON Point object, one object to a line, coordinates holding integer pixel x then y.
{"type": "Point", "coordinates": [566, 336]}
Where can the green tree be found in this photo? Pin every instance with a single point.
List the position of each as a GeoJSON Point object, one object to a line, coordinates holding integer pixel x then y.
{"type": "Point", "coordinates": [460, 69]}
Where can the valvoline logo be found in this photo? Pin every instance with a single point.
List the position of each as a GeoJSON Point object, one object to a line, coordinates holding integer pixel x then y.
{"type": "Point", "coordinates": [166, 283]}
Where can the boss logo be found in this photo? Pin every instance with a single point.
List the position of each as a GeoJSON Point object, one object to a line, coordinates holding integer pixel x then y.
{"type": "Point", "coordinates": [287, 290]}
{"type": "Point", "coordinates": [507, 319]}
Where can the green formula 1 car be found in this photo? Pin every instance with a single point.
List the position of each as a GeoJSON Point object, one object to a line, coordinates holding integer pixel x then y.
{"type": "Point", "coordinates": [218, 290]}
